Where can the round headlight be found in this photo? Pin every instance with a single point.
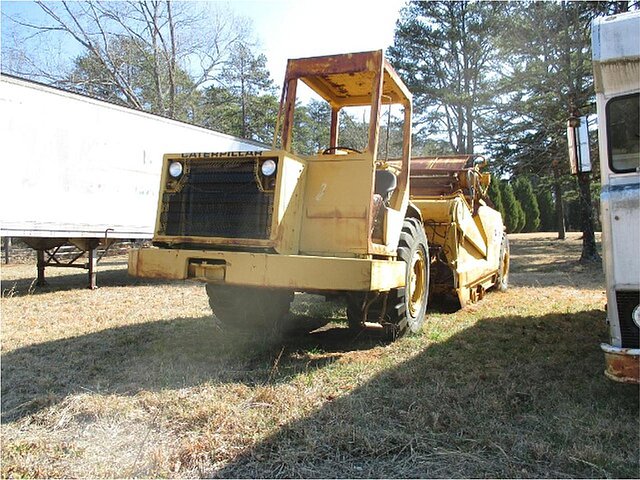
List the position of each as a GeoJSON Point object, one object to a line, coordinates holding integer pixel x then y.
{"type": "Point", "coordinates": [268, 167]}
{"type": "Point", "coordinates": [175, 169]}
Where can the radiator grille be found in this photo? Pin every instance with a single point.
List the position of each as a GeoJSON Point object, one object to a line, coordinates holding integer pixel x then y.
{"type": "Point", "coordinates": [627, 301]}
{"type": "Point", "coordinates": [218, 198]}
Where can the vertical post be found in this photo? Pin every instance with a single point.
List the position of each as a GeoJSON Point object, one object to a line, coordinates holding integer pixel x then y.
{"type": "Point", "coordinates": [376, 99]}
{"type": "Point", "coordinates": [92, 265]}
{"type": "Point", "coordinates": [40, 281]}
{"type": "Point", "coordinates": [578, 135]}
{"type": "Point", "coordinates": [333, 141]}
{"type": "Point", "coordinates": [7, 249]}
{"type": "Point", "coordinates": [589, 249]}
{"type": "Point", "coordinates": [557, 189]}
{"type": "Point", "coordinates": [290, 105]}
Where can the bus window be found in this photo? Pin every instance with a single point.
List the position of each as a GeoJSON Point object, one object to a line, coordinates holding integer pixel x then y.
{"type": "Point", "coordinates": [623, 131]}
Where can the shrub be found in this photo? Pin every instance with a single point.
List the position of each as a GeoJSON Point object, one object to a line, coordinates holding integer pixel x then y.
{"type": "Point", "coordinates": [524, 193]}
{"type": "Point", "coordinates": [496, 196]}
{"type": "Point", "coordinates": [513, 213]}
{"type": "Point", "coordinates": [547, 210]}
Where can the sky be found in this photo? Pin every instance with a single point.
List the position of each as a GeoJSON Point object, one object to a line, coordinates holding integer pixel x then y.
{"type": "Point", "coordinates": [297, 28]}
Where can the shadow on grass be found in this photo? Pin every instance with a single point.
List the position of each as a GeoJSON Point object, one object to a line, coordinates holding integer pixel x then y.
{"type": "Point", "coordinates": [112, 277]}
{"type": "Point", "coordinates": [508, 397]}
{"type": "Point", "coordinates": [159, 355]}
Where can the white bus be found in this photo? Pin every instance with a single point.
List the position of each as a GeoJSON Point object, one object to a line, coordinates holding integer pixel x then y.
{"type": "Point", "coordinates": [616, 65]}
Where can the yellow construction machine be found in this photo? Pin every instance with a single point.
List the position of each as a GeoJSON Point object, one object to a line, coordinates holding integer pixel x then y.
{"type": "Point", "coordinates": [384, 234]}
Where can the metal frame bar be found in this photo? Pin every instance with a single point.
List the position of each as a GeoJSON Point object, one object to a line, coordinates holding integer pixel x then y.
{"type": "Point", "coordinates": [47, 258]}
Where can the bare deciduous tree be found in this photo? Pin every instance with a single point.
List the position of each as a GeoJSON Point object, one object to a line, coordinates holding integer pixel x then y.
{"type": "Point", "coordinates": [152, 55]}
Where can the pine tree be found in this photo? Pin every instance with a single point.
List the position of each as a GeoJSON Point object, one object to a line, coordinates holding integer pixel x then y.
{"type": "Point", "coordinates": [524, 193]}
{"type": "Point", "coordinates": [246, 77]}
{"type": "Point", "coordinates": [513, 214]}
{"type": "Point", "coordinates": [444, 51]}
{"type": "Point", "coordinates": [549, 78]}
{"type": "Point", "coordinates": [547, 210]}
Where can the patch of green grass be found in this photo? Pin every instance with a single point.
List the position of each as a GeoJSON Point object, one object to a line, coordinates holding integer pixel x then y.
{"type": "Point", "coordinates": [307, 305]}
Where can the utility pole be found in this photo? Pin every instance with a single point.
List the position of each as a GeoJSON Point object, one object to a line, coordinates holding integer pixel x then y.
{"type": "Point", "coordinates": [578, 137]}
{"type": "Point", "coordinates": [557, 192]}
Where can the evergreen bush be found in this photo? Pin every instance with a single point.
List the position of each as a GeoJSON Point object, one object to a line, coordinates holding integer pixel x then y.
{"type": "Point", "coordinates": [513, 213]}
{"type": "Point", "coordinates": [524, 193]}
{"type": "Point", "coordinates": [496, 196]}
{"type": "Point", "coordinates": [547, 211]}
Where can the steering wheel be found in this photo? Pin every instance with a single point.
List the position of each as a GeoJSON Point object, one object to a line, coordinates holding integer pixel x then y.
{"type": "Point", "coordinates": [326, 151]}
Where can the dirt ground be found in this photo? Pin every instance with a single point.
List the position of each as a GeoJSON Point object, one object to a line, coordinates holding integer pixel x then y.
{"type": "Point", "coordinates": [134, 379]}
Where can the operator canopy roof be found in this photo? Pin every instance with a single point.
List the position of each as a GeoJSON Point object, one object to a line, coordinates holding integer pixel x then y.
{"type": "Point", "coordinates": [349, 79]}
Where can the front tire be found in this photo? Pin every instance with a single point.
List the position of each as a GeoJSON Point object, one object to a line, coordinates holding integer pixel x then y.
{"type": "Point", "coordinates": [405, 307]}
{"type": "Point", "coordinates": [409, 304]}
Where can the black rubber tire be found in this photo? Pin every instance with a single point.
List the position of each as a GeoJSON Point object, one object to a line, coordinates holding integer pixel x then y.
{"type": "Point", "coordinates": [409, 309]}
{"type": "Point", "coordinates": [406, 307]}
{"type": "Point", "coordinates": [249, 308]}
{"type": "Point", "coordinates": [502, 280]}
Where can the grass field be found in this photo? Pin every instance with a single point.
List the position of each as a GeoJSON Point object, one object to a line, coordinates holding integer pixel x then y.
{"type": "Point", "coordinates": [135, 380]}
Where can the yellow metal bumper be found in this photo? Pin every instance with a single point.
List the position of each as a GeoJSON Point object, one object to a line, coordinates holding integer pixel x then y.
{"type": "Point", "coordinates": [622, 364]}
{"type": "Point", "coordinates": [296, 272]}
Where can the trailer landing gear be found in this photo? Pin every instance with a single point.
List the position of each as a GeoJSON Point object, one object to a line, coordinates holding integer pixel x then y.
{"type": "Point", "coordinates": [69, 253]}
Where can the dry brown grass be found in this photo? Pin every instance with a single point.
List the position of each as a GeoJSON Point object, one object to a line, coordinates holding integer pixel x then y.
{"type": "Point", "coordinates": [134, 380]}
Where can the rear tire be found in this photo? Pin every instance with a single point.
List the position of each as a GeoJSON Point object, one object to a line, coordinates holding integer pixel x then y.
{"type": "Point", "coordinates": [405, 307]}
{"type": "Point", "coordinates": [502, 280]}
{"type": "Point", "coordinates": [249, 308]}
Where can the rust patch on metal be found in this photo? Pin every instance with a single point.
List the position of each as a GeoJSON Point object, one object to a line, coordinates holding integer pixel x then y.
{"type": "Point", "coordinates": [332, 64]}
{"type": "Point", "coordinates": [214, 241]}
{"type": "Point", "coordinates": [622, 367]}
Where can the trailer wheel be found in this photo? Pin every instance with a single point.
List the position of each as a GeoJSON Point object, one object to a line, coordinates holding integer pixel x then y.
{"type": "Point", "coordinates": [405, 307]}
{"type": "Point", "coordinates": [502, 281]}
{"type": "Point", "coordinates": [249, 308]}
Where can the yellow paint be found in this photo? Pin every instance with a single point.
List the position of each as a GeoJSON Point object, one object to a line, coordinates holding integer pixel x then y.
{"type": "Point", "coordinates": [321, 230]}
{"type": "Point", "coordinates": [297, 272]}
{"type": "Point", "coordinates": [336, 203]}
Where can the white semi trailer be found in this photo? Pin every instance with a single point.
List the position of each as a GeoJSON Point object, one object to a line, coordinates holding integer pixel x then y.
{"type": "Point", "coordinates": [82, 171]}
{"type": "Point", "coordinates": [616, 66]}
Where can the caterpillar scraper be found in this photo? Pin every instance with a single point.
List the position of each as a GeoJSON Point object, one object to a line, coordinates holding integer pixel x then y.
{"type": "Point", "coordinates": [383, 233]}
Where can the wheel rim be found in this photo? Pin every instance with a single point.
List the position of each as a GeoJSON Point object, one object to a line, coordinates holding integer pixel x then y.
{"type": "Point", "coordinates": [417, 283]}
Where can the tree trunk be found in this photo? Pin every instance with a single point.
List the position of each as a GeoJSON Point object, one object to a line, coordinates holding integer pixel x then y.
{"type": "Point", "coordinates": [243, 102]}
{"type": "Point", "coordinates": [172, 63]}
{"type": "Point", "coordinates": [470, 139]}
{"type": "Point", "coordinates": [557, 190]}
{"type": "Point", "coordinates": [462, 144]}
{"type": "Point", "coordinates": [589, 250]}
{"type": "Point", "coordinates": [153, 30]}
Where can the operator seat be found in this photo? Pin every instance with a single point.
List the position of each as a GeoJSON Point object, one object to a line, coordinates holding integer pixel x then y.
{"type": "Point", "coordinates": [385, 183]}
